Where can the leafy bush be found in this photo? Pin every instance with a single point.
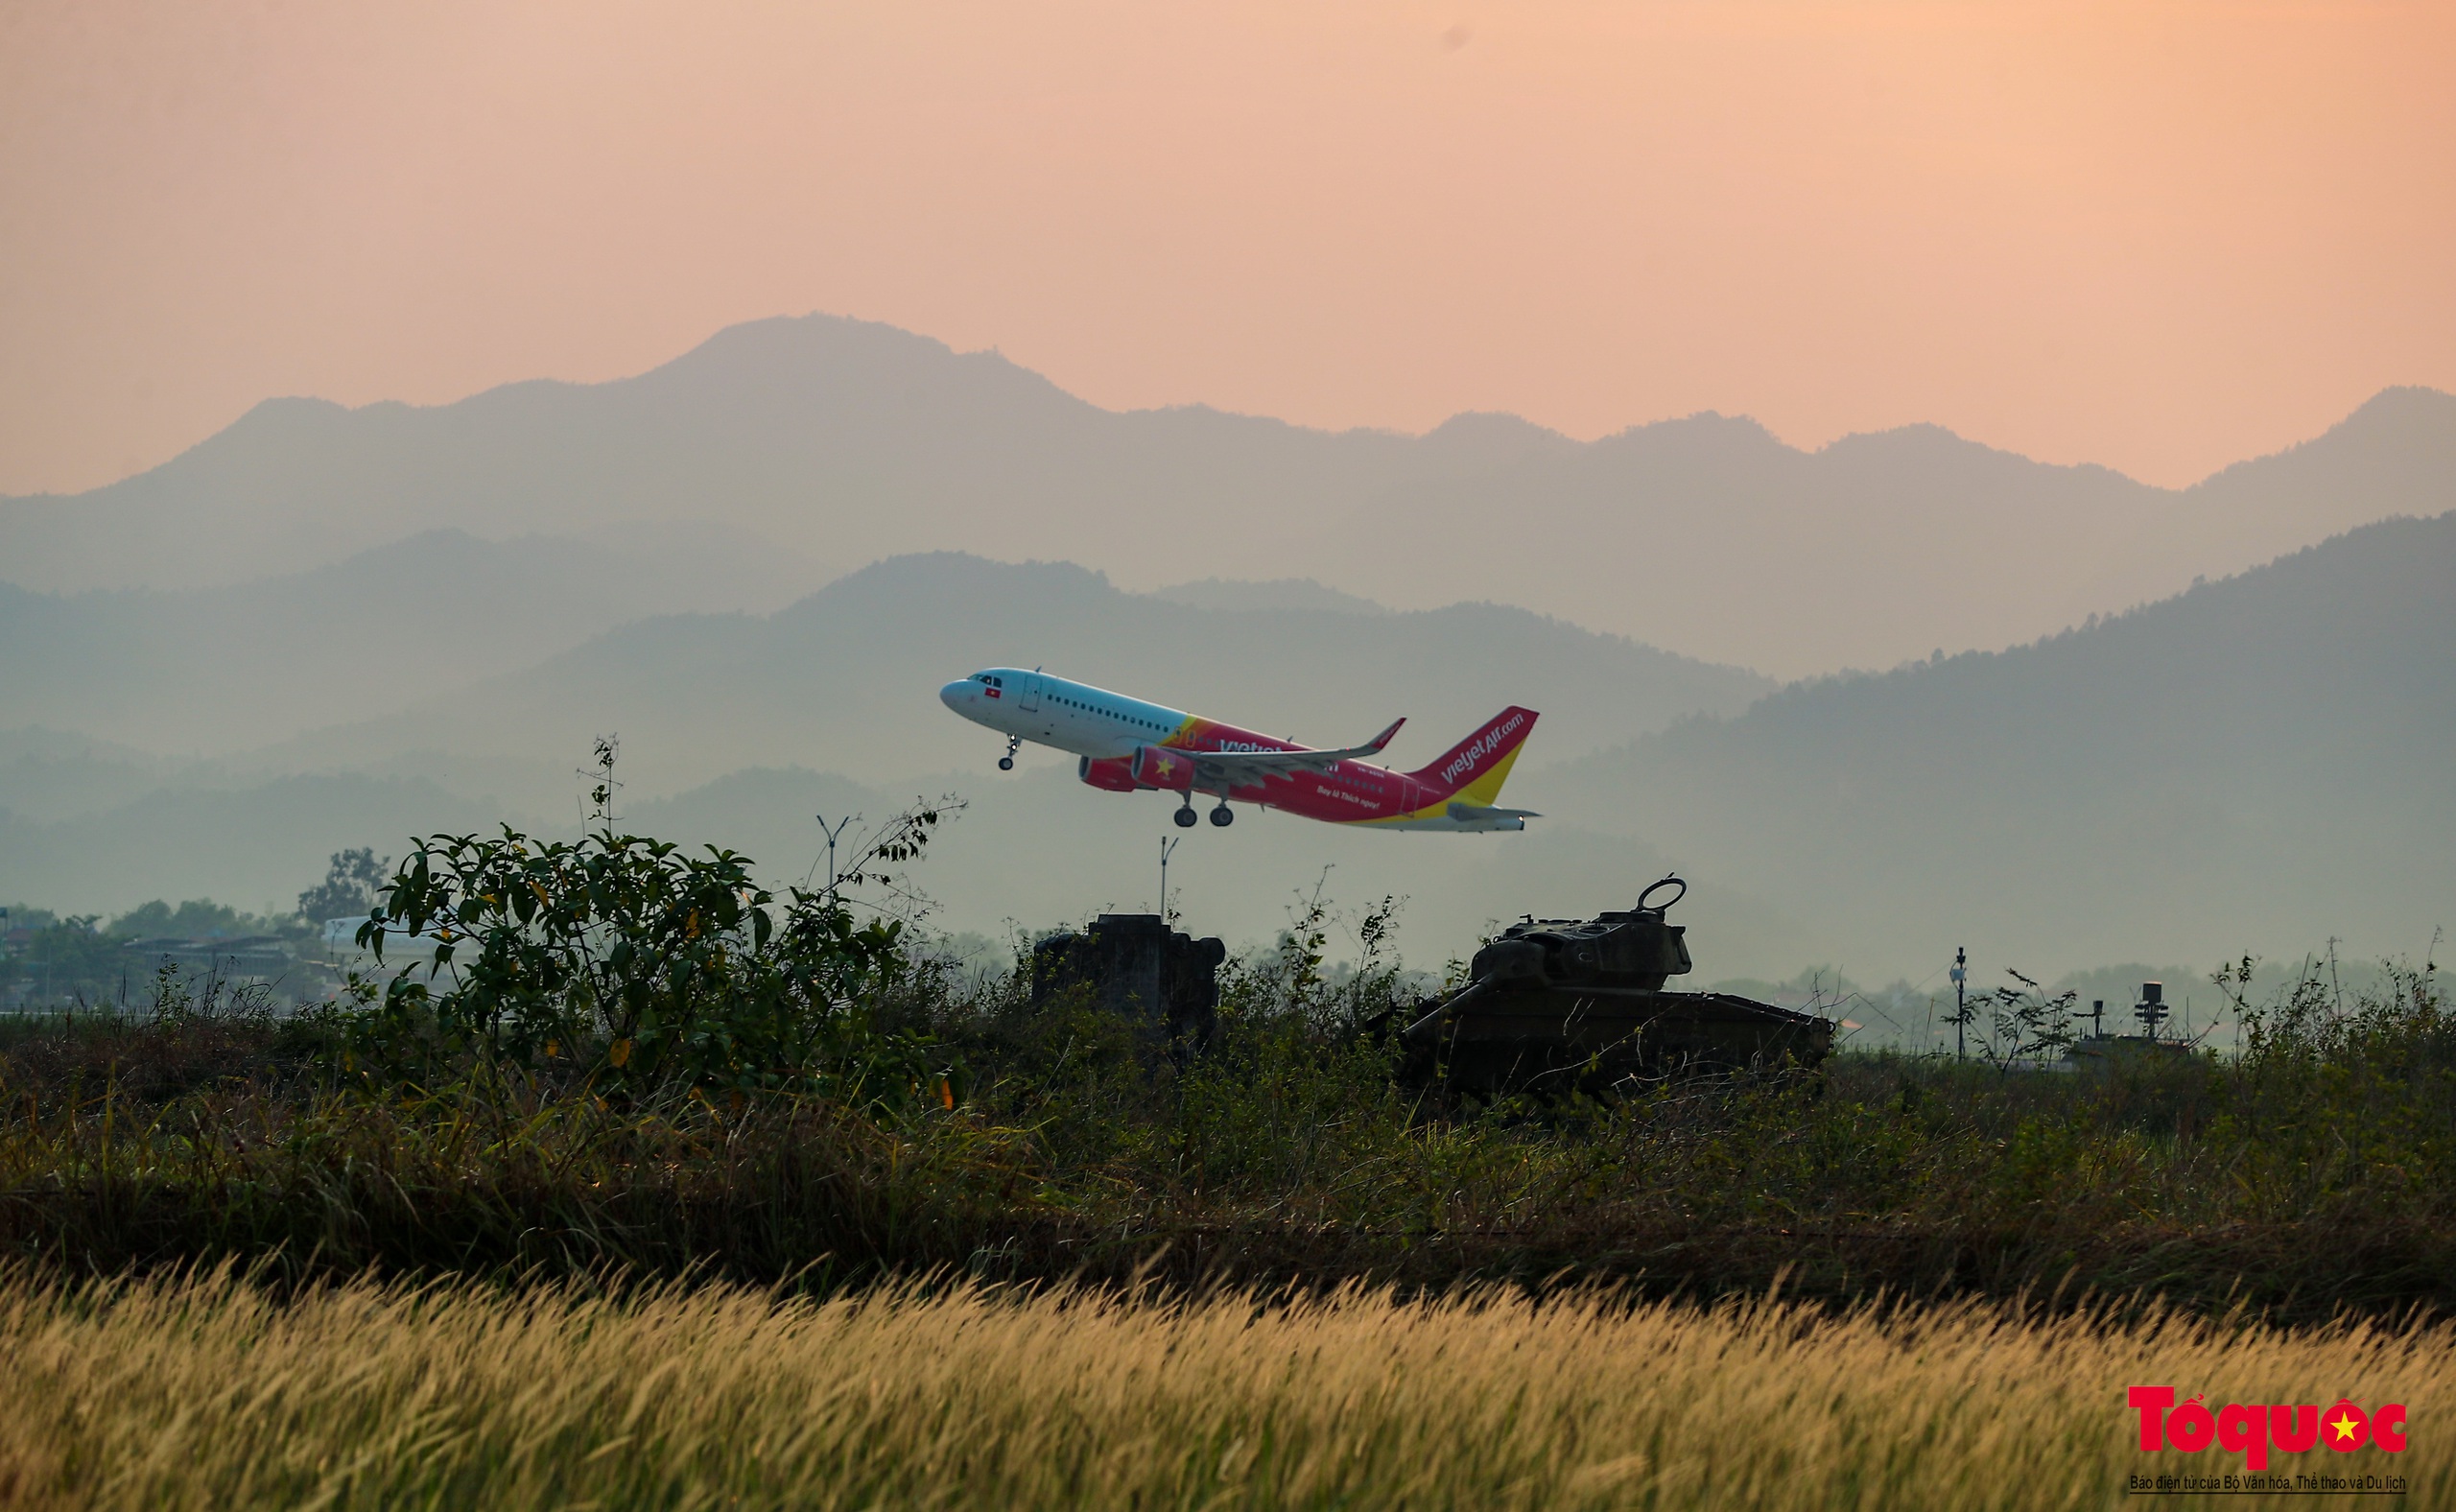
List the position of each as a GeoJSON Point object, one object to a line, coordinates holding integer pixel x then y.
{"type": "Point", "coordinates": [639, 964]}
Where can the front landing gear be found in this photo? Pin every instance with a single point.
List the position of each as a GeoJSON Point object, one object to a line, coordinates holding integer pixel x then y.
{"type": "Point", "coordinates": [1014, 743]}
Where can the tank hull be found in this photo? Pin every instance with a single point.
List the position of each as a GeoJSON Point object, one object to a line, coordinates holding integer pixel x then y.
{"type": "Point", "coordinates": [1492, 1039]}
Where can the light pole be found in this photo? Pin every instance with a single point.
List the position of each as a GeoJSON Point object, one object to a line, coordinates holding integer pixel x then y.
{"type": "Point", "coordinates": [831, 832]}
{"type": "Point", "coordinates": [1961, 1013]}
{"type": "Point", "coordinates": [2151, 1010]}
{"type": "Point", "coordinates": [1168, 843]}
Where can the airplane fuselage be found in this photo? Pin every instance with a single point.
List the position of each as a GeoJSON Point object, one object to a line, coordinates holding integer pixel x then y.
{"type": "Point", "coordinates": [1125, 744]}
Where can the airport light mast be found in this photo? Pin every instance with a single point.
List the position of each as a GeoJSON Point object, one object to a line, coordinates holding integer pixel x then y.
{"type": "Point", "coordinates": [1961, 1013]}
{"type": "Point", "coordinates": [2151, 1010]}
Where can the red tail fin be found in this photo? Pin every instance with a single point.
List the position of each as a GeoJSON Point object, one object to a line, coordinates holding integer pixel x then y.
{"type": "Point", "coordinates": [1474, 767]}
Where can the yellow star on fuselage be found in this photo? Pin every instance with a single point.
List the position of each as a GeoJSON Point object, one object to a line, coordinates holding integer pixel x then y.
{"type": "Point", "coordinates": [2344, 1425]}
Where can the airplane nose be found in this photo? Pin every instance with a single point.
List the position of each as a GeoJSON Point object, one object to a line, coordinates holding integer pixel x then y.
{"type": "Point", "coordinates": [956, 694]}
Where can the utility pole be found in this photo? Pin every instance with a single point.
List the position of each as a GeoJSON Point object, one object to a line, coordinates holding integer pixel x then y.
{"type": "Point", "coordinates": [1168, 843]}
{"type": "Point", "coordinates": [1961, 1014]}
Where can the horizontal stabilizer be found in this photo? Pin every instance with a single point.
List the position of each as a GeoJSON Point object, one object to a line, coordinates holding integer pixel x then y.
{"type": "Point", "coordinates": [1476, 817]}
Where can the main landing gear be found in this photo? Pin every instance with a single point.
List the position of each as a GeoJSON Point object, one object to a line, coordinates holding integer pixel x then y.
{"type": "Point", "coordinates": [1222, 816]}
{"type": "Point", "coordinates": [1014, 743]}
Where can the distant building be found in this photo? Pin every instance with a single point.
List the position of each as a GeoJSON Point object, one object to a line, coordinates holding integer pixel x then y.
{"type": "Point", "coordinates": [248, 960]}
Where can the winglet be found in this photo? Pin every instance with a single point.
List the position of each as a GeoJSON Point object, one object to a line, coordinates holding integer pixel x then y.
{"type": "Point", "coordinates": [1383, 738]}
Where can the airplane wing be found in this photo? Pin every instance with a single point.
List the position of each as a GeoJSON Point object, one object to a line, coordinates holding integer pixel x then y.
{"type": "Point", "coordinates": [1232, 769]}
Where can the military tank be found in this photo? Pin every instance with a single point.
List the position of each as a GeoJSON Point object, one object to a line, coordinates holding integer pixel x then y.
{"type": "Point", "coordinates": [1561, 1005]}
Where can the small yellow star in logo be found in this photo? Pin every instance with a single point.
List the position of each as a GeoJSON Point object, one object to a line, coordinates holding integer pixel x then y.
{"type": "Point", "coordinates": [2343, 1426]}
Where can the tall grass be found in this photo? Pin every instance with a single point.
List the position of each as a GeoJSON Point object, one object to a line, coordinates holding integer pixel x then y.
{"type": "Point", "coordinates": [2315, 1174]}
{"type": "Point", "coordinates": [170, 1393]}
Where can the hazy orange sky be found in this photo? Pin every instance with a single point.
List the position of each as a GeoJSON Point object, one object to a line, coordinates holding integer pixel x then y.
{"type": "Point", "coordinates": [2162, 236]}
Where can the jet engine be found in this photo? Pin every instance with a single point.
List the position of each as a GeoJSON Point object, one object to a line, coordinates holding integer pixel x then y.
{"type": "Point", "coordinates": [1149, 766]}
{"type": "Point", "coordinates": [1158, 766]}
{"type": "Point", "coordinates": [1115, 774]}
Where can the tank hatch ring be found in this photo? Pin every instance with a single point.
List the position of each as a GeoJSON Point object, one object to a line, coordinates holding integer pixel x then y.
{"type": "Point", "coordinates": [1644, 907]}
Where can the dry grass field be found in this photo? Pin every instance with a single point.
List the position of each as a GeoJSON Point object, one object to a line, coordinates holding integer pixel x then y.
{"type": "Point", "coordinates": [210, 1393]}
{"type": "Point", "coordinates": [1557, 1302]}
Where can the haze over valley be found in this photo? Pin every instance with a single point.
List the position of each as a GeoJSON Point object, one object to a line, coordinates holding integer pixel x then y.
{"type": "Point", "coordinates": [329, 628]}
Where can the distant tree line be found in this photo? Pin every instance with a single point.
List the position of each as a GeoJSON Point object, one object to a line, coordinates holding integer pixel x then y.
{"type": "Point", "coordinates": [51, 957]}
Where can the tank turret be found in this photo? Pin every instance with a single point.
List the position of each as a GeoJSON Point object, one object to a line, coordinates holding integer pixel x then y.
{"type": "Point", "coordinates": [1560, 1005]}
{"type": "Point", "coordinates": [1635, 949]}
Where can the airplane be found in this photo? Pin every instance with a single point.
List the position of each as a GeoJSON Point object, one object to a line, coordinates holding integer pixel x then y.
{"type": "Point", "coordinates": [1125, 744]}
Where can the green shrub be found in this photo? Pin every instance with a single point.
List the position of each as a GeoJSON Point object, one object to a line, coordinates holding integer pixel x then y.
{"type": "Point", "coordinates": [639, 964]}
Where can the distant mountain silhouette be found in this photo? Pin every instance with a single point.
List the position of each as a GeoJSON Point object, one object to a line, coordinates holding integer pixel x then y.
{"type": "Point", "coordinates": [216, 668]}
{"type": "Point", "coordinates": [255, 845]}
{"type": "Point", "coordinates": [793, 450]}
{"type": "Point", "coordinates": [49, 774]}
{"type": "Point", "coordinates": [846, 680]}
{"type": "Point", "coordinates": [2263, 761]}
{"type": "Point", "coordinates": [1284, 593]}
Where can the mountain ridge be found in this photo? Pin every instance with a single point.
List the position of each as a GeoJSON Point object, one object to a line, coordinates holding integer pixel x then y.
{"type": "Point", "coordinates": [848, 441]}
{"type": "Point", "coordinates": [2266, 750]}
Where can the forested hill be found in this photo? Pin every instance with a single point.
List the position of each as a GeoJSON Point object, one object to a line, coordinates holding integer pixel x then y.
{"type": "Point", "coordinates": [2267, 758]}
